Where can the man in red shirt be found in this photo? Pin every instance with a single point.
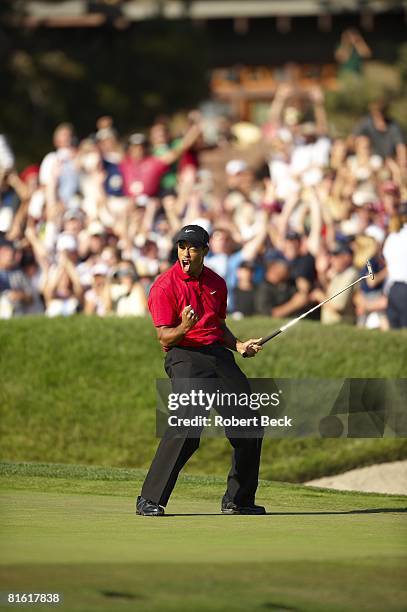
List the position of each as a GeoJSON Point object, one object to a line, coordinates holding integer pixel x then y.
{"type": "Point", "coordinates": [188, 307]}
{"type": "Point", "coordinates": [142, 172]}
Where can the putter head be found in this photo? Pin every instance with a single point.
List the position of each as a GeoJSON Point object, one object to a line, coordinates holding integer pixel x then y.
{"type": "Point", "coordinates": [370, 269]}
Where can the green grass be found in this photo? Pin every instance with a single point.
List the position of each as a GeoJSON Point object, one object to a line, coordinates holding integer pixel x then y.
{"type": "Point", "coordinates": [73, 529]}
{"type": "Point", "coordinates": [82, 390]}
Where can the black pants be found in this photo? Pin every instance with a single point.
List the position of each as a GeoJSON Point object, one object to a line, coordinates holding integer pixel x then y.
{"type": "Point", "coordinates": [397, 306]}
{"type": "Point", "coordinates": [212, 362]}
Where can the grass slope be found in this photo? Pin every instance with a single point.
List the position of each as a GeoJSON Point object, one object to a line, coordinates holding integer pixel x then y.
{"type": "Point", "coordinates": [73, 529]}
{"type": "Point", "coordinates": [82, 390]}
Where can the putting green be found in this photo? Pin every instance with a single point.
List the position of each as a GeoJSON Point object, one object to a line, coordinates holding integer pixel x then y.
{"type": "Point", "coordinates": [74, 530]}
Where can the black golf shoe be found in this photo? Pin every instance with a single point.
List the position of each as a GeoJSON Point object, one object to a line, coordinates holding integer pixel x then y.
{"type": "Point", "coordinates": [145, 507]}
{"type": "Point", "coordinates": [229, 507]}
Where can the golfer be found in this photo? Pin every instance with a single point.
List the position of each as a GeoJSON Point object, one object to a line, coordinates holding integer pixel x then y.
{"type": "Point", "coordinates": [188, 307]}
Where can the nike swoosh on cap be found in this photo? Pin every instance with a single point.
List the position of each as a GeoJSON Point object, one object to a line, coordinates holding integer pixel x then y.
{"type": "Point", "coordinates": [186, 231]}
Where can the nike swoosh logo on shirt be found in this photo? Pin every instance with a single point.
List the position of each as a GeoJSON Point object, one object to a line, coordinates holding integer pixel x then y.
{"type": "Point", "coordinates": [212, 292]}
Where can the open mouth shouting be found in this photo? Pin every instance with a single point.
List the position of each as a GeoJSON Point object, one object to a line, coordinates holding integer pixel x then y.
{"type": "Point", "coordinates": [190, 257]}
{"type": "Point", "coordinates": [186, 265]}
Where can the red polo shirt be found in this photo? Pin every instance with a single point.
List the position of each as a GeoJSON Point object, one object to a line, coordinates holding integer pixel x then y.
{"type": "Point", "coordinates": [142, 176]}
{"type": "Point", "coordinates": [174, 290]}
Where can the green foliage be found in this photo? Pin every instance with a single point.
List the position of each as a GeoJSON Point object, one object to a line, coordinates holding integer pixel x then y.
{"type": "Point", "coordinates": [402, 65]}
{"type": "Point", "coordinates": [350, 101]}
{"type": "Point", "coordinates": [82, 390]}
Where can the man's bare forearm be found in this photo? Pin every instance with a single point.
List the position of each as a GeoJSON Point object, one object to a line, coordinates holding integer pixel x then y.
{"type": "Point", "coordinates": [171, 336]}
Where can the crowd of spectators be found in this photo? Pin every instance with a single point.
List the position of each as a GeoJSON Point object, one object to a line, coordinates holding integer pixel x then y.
{"type": "Point", "coordinates": [90, 228]}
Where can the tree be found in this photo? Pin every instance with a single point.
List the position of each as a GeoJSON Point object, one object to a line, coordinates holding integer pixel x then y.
{"type": "Point", "coordinates": [54, 75]}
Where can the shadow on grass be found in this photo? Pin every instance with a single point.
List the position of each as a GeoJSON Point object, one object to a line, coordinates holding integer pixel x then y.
{"type": "Point", "coordinates": [120, 595]}
{"type": "Point", "coordinates": [322, 513]}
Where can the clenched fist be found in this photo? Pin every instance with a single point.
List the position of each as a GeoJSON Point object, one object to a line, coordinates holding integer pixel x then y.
{"type": "Point", "coordinates": [189, 318]}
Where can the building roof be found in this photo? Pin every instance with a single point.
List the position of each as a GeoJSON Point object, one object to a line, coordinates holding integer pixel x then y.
{"type": "Point", "coordinates": [138, 10]}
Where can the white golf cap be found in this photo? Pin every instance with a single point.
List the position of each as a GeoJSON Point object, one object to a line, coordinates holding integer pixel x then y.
{"type": "Point", "coordinates": [105, 133]}
{"type": "Point", "coordinates": [364, 196]}
{"type": "Point", "coordinates": [66, 242]}
{"type": "Point", "coordinates": [376, 232]}
{"type": "Point", "coordinates": [95, 228]}
{"type": "Point", "coordinates": [74, 213]}
{"type": "Point", "coordinates": [235, 166]}
{"type": "Point", "coordinates": [137, 139]}
{"type": "Point", "coordinates": [100, 269]}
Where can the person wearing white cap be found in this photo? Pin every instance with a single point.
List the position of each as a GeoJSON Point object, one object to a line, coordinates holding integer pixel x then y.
{"type": "Point", "coordinates": [73, 223]}
{"type": "Point", "coordinates": [241, 185]}
{"type": "Point", "coordinates": [98, 298]}
{"type": "Point", "coordinates": [95, 228]}
{"type": "Point", "coordinates": [62, 289]}
{"type": "Point", "coordinates": [238, 182]}
{"type": "Point", "coordinates": [131, 299]}
{"type": "Point", "coordinates": [66, 242]}
{"type": "Point", "coordinates": [236, 166]}
{"type": "Point", "coordinates": [67, 247]}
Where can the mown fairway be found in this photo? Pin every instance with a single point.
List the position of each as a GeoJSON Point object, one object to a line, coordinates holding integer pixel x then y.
{"type": "Point", "coordinates": [73, 529]}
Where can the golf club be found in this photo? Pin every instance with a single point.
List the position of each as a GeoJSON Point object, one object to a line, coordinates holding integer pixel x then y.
{"type": "Point", "coordinates": [305, 314]}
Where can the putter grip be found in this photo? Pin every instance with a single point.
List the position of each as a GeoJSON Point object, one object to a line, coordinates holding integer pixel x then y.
{"type": "Point", "coordinates": [266, 339]}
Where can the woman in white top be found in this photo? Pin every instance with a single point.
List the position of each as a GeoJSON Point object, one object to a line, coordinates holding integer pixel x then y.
{"type": "Point", "coordinates": [98, 299]}
{"type": "Point", "coordinates": [395, 254]}
{"type": "Point", "coordinates": [132, 301]}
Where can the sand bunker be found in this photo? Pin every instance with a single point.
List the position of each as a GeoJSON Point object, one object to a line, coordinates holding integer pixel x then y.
{"type": "Point", "coordinates": [380, 478]}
